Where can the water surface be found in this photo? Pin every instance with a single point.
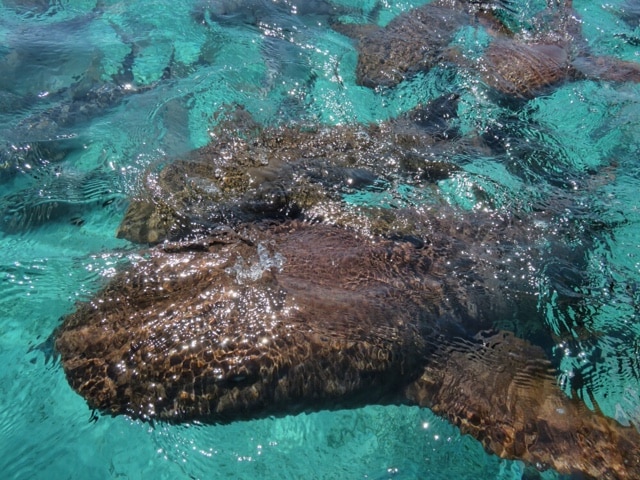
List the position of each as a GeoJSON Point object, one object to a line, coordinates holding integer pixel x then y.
{"type": "Point", "coordinates": [64, 186]}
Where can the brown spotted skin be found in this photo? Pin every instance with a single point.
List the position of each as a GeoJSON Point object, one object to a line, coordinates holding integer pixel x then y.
{"type": "Point", "coordinates": [292, 317]}
{"type": "Point", "coordinates": [412, 42]}
{"type": "Point", "coordinates": [503, 391]}
{"type": "Point", "coordinates": [219, 343]}
{"type": "Point", "coordinates": [524, 70]}
{"type": "Point", "coordinates": [515, 64]}
{"type": "Point", "coordinates": [285, 172]}
{"type": "Point", "coordinates": [283, 317]}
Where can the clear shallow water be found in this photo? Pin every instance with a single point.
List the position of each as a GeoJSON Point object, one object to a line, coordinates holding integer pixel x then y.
{"type": "Point", "coordinates": [582, 138]}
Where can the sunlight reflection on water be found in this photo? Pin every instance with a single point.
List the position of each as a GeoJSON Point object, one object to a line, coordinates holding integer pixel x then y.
{"type": "Point", "coordinates": [584, 135]}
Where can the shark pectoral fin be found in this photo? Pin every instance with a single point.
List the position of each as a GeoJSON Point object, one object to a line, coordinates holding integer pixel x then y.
{"type": "Point", "coordinates": [230, 120]}
{"type": "Point", "coordinates": [502, 391]}
{"type": "Point", "coordinates": [146, 222]}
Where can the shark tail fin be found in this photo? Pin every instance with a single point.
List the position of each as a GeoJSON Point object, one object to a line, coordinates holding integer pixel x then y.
{"type": "Point", "coordinates": [502, 391]}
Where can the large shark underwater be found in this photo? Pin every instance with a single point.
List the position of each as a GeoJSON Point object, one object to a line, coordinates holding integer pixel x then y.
{"type": "Point", "coordinates": [262, 291]}
{"type": "Point", "coordinates": [317, 304]}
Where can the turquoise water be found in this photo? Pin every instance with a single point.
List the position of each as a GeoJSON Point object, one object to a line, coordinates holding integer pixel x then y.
{"type": "Point", "coordinates": [582, 138]}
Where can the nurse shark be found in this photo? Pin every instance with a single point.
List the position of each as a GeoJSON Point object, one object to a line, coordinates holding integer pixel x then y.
{"type": "Point", "coordinates": [252, 315]}
{"type": "Point", "coordinates": [278, 318]}
{"type": "Point", "coordinates": [521, 64]}
{"type": "Point", "coordinates": [248, 172]}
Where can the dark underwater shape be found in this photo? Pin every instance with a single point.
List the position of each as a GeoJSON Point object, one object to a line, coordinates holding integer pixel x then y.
{"type": "Point", "coordinates": [55, 117]}
{"type": "Point", "coordinates": [55, 195]}
{"type": "Point", "coordinates": [249, 172]}
{"type": "Point", "coordinates": [516, 64]}
{"type": "Point", "coordinates": [630, 13]}
{"type": "Point", "coordinates": [256, 12]}
{"type": "Point", "coordinates": [49, 136]}
{"type": "Point", "coordinates": [413, 41]}
{"type": "Point", "coordinates": [277, 319]}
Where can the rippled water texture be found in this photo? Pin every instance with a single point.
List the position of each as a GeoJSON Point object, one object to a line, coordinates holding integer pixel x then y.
{"type": "Point", "coordinates": [92, 95]}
